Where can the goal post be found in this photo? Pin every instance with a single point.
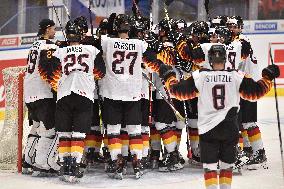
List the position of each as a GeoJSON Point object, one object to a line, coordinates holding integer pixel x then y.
{"type": "Point", "coordinates": [15, 129]}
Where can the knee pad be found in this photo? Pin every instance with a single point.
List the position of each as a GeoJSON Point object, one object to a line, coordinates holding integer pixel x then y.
{"type": "Point", "coordinates": [34, 129]}
{"type": "Point", "coordinates": [43, 132]}
{"type": "Point", "coordinates": [30, 148]}
{"type": "Point", "coordinates": [96, 128]}
{"type": "Point", "coordinates": [224, 165]}
{"type": "Point", "coordinates": [249, 125]}
{"type": "Point", "coordinates": [133, 129]}
{"type": "Point", "coordinates": [78, 135]}
{"type": "Point", "coordinates": [210, 166]}
{"type": "Point", "coordinates": [192, 123]}
{"type": "Point", "coordinates": [145, 129]}
{"type": "Point", "coordinates": [160, 126]}
{"type": "Point", "coordinates": [113, 129]}
{"type": "Point", "coordinates": [180, 125]}
{"type": "Point", "coordinates": [41, 152]}
{"type": "Point", "coordinates": [64, 134]}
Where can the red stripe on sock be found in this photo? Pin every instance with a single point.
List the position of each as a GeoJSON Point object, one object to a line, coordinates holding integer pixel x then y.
{"type": "Point", "coordinates": [210, 174]}
{"type": "Point", "coordinates": [135, 141]}
{"type": "Point", "coordinates": [253, 132]}
{"type": "Point", "coordinates": [226, 173]}
{"type": "Point", "coordinates": [167, 135]}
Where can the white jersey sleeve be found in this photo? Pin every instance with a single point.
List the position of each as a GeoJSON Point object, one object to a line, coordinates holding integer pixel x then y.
{"type": "Point", "coordinates": [77, 70]}
{"type": "Point", "coordinates": [35, 88]}
{"type": "Point", "coordinates": [218, 93]}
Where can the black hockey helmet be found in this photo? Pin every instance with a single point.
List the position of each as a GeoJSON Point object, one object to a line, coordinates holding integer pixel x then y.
{"type": "Point", "coordinates": [236, 20]}
{"type": "Point", "coordinates": [198, 28]}
{"type": "Point", "coordinates": [218, 21]}
{"type": "Point", "coordinates": [217, 54]}
{"type": "Point", "coordinates": [43, 25]}
{"type": "Point", "coordinates": [225, 33]}
{"type": "Point", "coordinates": [82, 24]}
{"type": "Point", "coordinates": [72, 31]}
{"type": "Point", "coordinates": [179, 25]}
{"type": "Point", "coordinates": [121, 23]}
{"type": "Point", "coordinates": [104, 24]}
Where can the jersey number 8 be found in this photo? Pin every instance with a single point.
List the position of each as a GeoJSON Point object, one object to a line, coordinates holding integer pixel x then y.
{"type": "Point", "coordinates": [218, 94]}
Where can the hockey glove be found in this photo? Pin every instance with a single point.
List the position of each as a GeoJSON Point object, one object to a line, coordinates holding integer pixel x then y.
{"type": "Point", "coordinates": [154, 44]}
{"type": "Point", "coordinates": [174, 37]}
{"type": "Point", "coordinates": [271, 72]}
{"type": "Point", "coordinates": [166, 72]}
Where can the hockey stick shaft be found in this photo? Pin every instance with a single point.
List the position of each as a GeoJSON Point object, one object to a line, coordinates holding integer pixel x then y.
{"type": "Point", "coordinates": [91, 19]}
{"type": "Point", "coordinates": [177, 114]}
{"type": "Point", "coordinates": [277, 107]}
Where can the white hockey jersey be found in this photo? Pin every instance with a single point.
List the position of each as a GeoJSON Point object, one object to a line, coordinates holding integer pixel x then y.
{"type": "Point", "coordinates": [123, 79]}
{"type": "Point", "coordinates": [219, 92]}
{"type": "Point", "coordinates": [35, 88]}
{"type": "Point", "coordinates": [77, 64]}
{"type": "Point", "coordinates": [233, 54]}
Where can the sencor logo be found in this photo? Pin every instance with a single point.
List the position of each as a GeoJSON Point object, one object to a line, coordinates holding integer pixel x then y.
{"type": "Point", "coordinates": [266, 26]}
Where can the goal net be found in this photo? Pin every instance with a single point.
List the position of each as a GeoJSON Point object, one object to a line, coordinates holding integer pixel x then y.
{"type": "Point", "coordinates": [15, 129]}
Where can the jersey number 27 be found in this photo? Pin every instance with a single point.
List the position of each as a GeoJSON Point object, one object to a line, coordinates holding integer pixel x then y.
{"type": "Point", "coordinates": [119, 58]}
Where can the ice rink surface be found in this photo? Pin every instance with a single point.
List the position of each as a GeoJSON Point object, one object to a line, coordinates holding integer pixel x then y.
{"type": "Point", "coordinates": [188, 178]}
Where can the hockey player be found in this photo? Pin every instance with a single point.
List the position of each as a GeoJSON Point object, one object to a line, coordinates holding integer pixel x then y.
{"type": "Point", "coordinates": [79, 65]}
{"type": "Point", "coordinates": [41, 104]}
{"type": "Point", "coordinates": [121, 88]}
{"type": "Point", "coordinates": [252, 141]}
{"type": "Point", "coordinates": [93, 139]}
{"type": "Point", "coordinates": [217, 123]}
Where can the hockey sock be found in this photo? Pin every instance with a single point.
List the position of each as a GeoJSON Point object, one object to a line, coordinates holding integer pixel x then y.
{"type": "Point", "coordinates": [178, 134]}
{"type": "Point", "coordinates": [210, 178]}
{"type": "Point", "coordinates": [90, 141]}
{"type": "Point", "coordinates": [194, 141]}
{"type": "Point", "coordinates": [135, 140]}
{"type": "Point", "coordinates": [124, 141]}
{"type": "Point", "coordinates": [145, 140]}
{"type": "Point", "coordinates": [98, 137]}
{"type": "Point", "coordinates": [254, 136]}
{"type": "Point", "coordinates": [77, 145]}
{"type": "Point", "coordinates": [225, 178]}
{"type": "Point", "coordinates": [169, 138]}
{"type": "Point", "coordinates": [114, 141]}
{"type": "Point", "coordinates": [245, 138]}
{"type": "Point", "coordinates": [155, 138]}
{"type": "Point", "coordinates": [64, 147]}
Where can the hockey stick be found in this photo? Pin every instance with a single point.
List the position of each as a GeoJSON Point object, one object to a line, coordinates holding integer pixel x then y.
{"type": "Point", "coordinates": [177, 114]}
{"type": "Point", "coordinates": [91, 19]}
{"type": "Point", "coordinates": [58, 20]}
{"type": "Point", "coordinates": [277, 109]}
{"type": "Point", "coordinates": [206, 4]}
